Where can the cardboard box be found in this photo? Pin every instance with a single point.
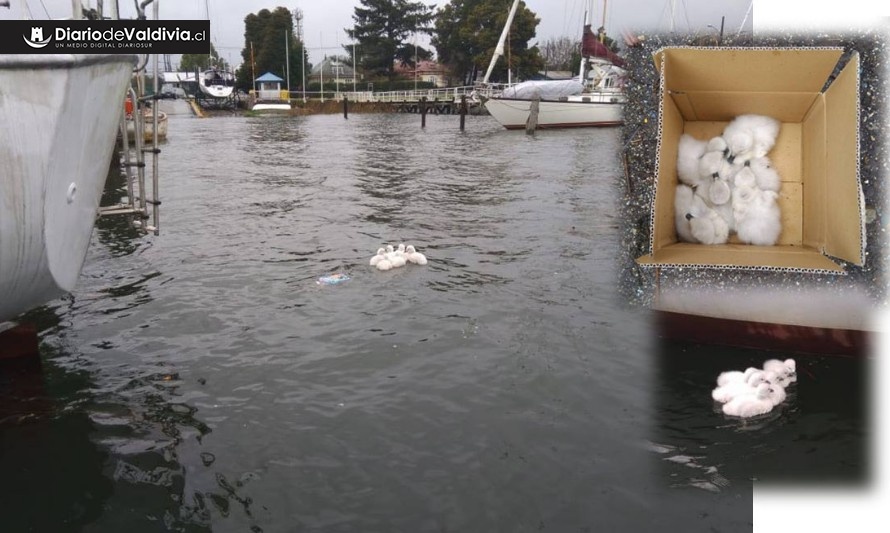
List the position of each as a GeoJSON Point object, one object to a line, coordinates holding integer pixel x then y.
{"type": "Point", "coordinates": [816, 152]}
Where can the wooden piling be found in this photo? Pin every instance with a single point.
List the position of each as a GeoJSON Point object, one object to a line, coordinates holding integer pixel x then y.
{"type": "Point", "coordinates": [423, 112]}
{"type": "Point", "coordinates": [532, 123]}
{"type": "Point", "coordinates": [345, 107]}
{"type": "Point", "coordinates": [463, 111]}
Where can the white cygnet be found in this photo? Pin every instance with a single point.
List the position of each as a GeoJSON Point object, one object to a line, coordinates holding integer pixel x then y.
{"type": "Point", "coordinates": [689, 151]}
{"type": "Point", "coordinates": [719, 192]}
{"type": "Point", "coordinates": [786, 368]}
{"type": "Point", "coordinates": [398, 259]}
{"type": "Point", "coordinates": [735, 375]}
{"type": "Point", "coordinates": [752, 404]}
{"type": "Point", "coordinates": [731, 390]}
{"type": "Point", "coordinates": [682, 206]}
{"type": "Point", "coordinates": [765, 175]}
{"type": "Point", "coordinates": [775, 379]}
{"type": "Point", "coordinates": [381, 254]}
{"type": "Point", "coordinates": [777, 394]}
{"type": "Point", "coordinates": [414, 256]}
{"type": "Point", "coordinates": [751, 136]}
{"type": "Point", "coordinates": [758, 219]}
{"type": "Point", "coordinates": [705, 224]}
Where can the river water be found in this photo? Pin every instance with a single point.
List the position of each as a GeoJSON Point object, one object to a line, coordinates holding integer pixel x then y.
{"type": "Point", "coordinates": [203, 380]}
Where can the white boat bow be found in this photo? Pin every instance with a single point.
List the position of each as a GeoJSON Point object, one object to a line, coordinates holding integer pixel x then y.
{"type": "Point", "coordinates": [60, 116]}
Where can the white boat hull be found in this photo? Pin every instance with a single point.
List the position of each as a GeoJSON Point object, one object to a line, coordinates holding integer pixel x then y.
{"type": "Point", "coordinates": [60, 116]}
{"type": "Point", "coordinates": [514, 113]}
{"type": "Point", "coordinates": [217, 91]}
{"type": "Point", "coordinates": [217, 84]}
{"type": "Point", "coordinates": [821, 320]}
{"type": "Point", "coordinates": [282, 107]}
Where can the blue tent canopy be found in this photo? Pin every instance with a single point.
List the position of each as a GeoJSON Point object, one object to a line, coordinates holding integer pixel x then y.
{"type": "Point", "coordinates": [269, 77]}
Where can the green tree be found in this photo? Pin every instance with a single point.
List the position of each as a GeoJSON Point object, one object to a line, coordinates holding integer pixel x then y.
{"type": "Point", "coordinates": [467, 32]}
{"type": "Point", "coordinates": [191, 62]}
{"type": "Point", "coordinates": [264, 48]}
{"type": "Point", "coordinates": [382, 30]}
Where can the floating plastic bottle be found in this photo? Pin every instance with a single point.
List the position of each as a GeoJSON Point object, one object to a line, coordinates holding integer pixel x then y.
{"type": "Point", "coordinates": [333, 279]}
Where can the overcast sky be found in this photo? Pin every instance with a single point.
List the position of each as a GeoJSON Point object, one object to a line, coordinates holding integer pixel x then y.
{"type": "Point", "coordinates": [324, 20]}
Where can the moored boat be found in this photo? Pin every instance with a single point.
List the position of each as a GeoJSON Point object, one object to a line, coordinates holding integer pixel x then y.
{"type": "Point", "coordinates": [148, 126]}
{"type": "Point", "coordinates": [217, 83]}
{"type": "Point", "coordinates": [60, 116]}
{"type": "Point", "coordinates": [595, 97]}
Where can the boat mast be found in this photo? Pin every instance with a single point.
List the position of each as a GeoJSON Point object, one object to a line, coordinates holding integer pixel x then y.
{"type": "Point", "coordinates": [605, 3]}
{"type": "Point", "coordinates": [583, 57]}
{"type": "Point", "coordinates": [499, 49]}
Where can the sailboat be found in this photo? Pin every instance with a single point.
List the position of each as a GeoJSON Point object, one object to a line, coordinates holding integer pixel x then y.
{"type": "Point", "coordinates": [217, 83]}
{"type": "Point", "coordinates": [595, 97]}
{"type": "Point", "coordinates": [60, 116]}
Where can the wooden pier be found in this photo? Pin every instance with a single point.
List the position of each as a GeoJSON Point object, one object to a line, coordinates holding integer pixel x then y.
{"type": "Point", "coordinates": [435, 107]}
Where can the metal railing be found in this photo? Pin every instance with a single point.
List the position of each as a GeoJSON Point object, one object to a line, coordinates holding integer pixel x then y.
{"type": "Point", "coordinates": [138, 200]}
{"type": "Point", "coordinates": [444, 94]}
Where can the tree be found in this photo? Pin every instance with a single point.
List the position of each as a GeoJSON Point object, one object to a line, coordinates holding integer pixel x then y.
{"type": "Point", "coordinates": [382, 29]}
{"type": "Point", "coordinates": [191, 62]}
{"type": "Point", "coordinates": [561, 53]}
{"type": "Point", "coordinates": [467, 32]}
{"type": "Point", "coordinates": [264, 49]}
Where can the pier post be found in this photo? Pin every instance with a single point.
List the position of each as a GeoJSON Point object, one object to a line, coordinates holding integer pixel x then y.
{"type": "Point", "coordinates": [463, 111]}
{"type": "Point", "coordinates": [423, 112]}
{"type": "Point", "coordinates": [346, 107]}
{"type": "Point", "coordinates": [532, 123]}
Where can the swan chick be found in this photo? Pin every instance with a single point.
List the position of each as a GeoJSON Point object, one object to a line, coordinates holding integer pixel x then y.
{"type": "Point", "coordinates": [689, 151]}
{"type": "Point", "coordinates": [381, 254]}
{"type": "Point", "coordinates": [682, 206]}
{"type": "Point", "coordinates": [414, 256]}
{"type": "Point", "coordinates": [706, 225]}
{"type": "Point", "coordinates": [749, 405]}
{"type": "Point", "coordinates": [787, 368]}
{"type": "Point", "coordinates": [765, 175]}
{"type": "Point", "coordinates": [751, 136]}
{"type": "Point", "coordinates": [729, 391]}
{"type": "Point", "coordinates": [735, 375]}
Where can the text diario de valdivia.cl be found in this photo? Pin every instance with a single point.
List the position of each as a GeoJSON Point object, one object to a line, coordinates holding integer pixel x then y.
{"type": "Point", "coordinates": [129, 34]}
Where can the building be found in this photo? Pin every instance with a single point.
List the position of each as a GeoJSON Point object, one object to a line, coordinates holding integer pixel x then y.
{"type": "Point", "coordinates": [427, 71]}
{"type": "Point", "coordinates": [269, 87]}
{"type": "Point", "coordinates": [335, 71]}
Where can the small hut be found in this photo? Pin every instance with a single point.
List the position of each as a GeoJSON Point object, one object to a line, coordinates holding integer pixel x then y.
{"type": "Point", "coordinates": [269, 95]}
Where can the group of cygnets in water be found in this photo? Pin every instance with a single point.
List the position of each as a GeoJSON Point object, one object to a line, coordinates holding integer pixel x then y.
{"type": "Point", "coordinates": [756, 390]}
{"type": "Point", "coordinates": [728, 185]}
{"type": "Point", "coordinates": [389, 257]}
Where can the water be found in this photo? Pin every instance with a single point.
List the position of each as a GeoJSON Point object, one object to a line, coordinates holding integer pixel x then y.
{"type": "Point", "coordinates": [202, 380]}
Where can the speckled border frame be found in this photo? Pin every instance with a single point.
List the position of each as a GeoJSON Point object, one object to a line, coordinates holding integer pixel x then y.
{"type": "Point", "coordinates": [659, 132]}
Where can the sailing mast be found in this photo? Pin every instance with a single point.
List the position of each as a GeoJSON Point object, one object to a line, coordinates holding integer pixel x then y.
{"type": "Point", "coordinates": [499, 49]}
{"type": "Point", "coordinates": [584, 29]}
